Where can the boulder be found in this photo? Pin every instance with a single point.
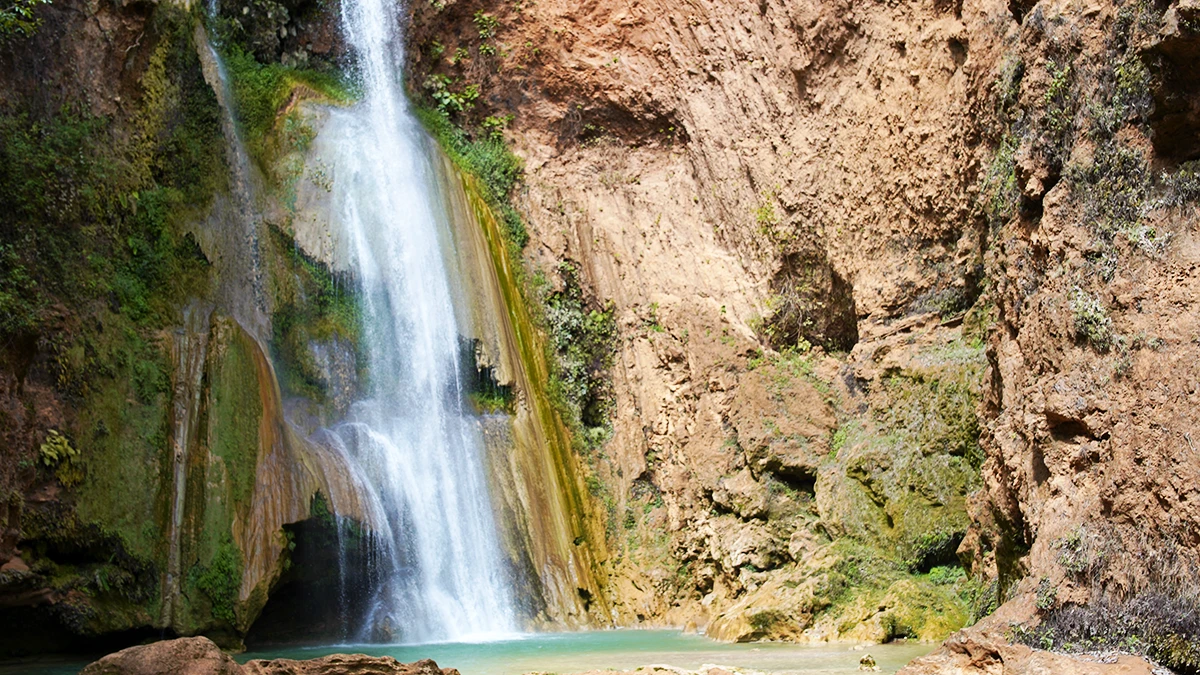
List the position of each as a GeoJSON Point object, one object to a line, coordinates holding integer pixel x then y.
{"type": "Point", "coordinates": [184, 656]}
{"type": "Point", "coordinates": [742, 495]}
{"type": "Point", "coordinates": [200, 656]}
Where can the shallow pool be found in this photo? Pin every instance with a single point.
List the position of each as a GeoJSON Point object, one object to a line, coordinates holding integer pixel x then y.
{"type": "Point", "coordinates": [578, 652]}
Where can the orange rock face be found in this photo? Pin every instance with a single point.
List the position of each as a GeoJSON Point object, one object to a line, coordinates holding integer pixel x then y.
{"type": "Point", "coordinates": [701, 161]}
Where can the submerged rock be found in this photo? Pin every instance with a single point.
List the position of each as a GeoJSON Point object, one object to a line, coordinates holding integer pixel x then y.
{"type": "Point", "coordinates": [200, 656]}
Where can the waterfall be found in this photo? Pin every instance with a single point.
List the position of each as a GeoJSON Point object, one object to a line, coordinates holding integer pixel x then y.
{"type": "Point", "coordinates": [439, 573]}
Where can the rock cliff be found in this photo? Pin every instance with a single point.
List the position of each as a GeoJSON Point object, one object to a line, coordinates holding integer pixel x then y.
{"type": "Point", "coordinates": [824, 229]}
{"type": "Point", "coordinates": [863, 318]}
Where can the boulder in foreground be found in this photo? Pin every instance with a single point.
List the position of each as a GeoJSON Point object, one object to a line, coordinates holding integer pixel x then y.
{"type": "Point", "coordinates": [200, 656]}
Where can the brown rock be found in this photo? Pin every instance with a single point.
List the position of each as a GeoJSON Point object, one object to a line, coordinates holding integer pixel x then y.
{"type": "Point", "coordinates": [184, 656]}
{"type": "Point", "coordinates": [974, 652]}
{"type": "Point", "coordinates": [345, 664]}
{"type": "Point", "coordinates": [200, 656]}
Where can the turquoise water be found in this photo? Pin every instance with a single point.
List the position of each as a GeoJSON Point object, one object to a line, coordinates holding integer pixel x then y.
{"type": "Point", "coordinates": [590, 650]}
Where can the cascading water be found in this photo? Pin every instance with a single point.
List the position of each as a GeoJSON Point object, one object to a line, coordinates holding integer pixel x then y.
{"type": "Point", "coordinates": [438, 569]}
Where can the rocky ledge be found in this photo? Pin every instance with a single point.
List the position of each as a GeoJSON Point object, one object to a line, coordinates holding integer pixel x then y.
{"type": "Point", "coordinates": [200, 656]}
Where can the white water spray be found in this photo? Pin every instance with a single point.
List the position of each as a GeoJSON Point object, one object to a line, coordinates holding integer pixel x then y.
{"type": "Point", "coordinates": [439, 568]}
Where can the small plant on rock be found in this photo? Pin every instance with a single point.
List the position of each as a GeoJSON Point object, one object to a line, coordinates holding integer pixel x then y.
{"type": "Point", "coordinates": [1047, 595]}
{"type": "Point", "coordinates": [1092, 323]}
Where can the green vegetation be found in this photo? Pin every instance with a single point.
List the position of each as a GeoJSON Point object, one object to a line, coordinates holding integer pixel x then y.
{"type": "Point", "coordinates": [486, 157]}
{"type": "Point", "coordinates": [447, 100]}
{"type": "Point", "coordinates": [94, 214]}
{"type": "Point", "coordinates": [761, 622]}
{"type": "Point", "coordinates": [57, 453]}
{"type": "Point", "coordinates": [492, 400]}
{"type": "Point", "coordinates": [1092, 323]}
{"type": "Point", "coordinates": [17, 18]}
{"type": "Point", "coordinates": [220, 580]}
{"type": "Point", "coordinates": [864, 581]}
{"type": "Point", "coordinates": [97, 210]}
{"type": "Point", "coordinates": [487, 25]}
{"type": "Point", "coordinates": [313, 305]}
{"type": "Point", "coordinates": [766, 218]}
{"type": "Point", "coordinates": [582, 341]}
{"type": "Point", "coordinates": [1001, 196]}
{"type": "Point", "coordinates": [1046, 595]}
{"type": "Point", "coordinates": [1129, 97]}
{"type": "Point", "coordinates": [1058, 113]}
{"type": "Point", "coordinates": [261, 92]}
{"type": "Point", "coordinates": [938, 413]}
{"type": "Point", "coordinates": [237, 412]}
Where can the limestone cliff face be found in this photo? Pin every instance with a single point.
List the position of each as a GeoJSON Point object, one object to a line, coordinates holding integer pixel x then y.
{"type": "Point", "coordinates": [735, 177]}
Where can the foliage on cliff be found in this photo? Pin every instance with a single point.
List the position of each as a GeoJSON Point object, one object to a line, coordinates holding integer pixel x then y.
{"type": "Point", "coordinates": [96, 263]}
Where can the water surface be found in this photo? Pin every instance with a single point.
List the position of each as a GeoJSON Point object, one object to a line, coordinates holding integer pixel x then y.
{"type": "Point", "coordinates": [583, 651]}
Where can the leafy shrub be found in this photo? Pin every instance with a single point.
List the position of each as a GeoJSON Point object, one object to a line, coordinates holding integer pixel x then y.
{"type": "Point", "coordinates": [487, 25]}
{"type": "Point", "coordinates": [946, 575]}
{"type": "Point", "coordinates": [447, 100]}
{"type": "Point", "coordinates": [582, 342]}
{"type": "Point", "coordinates": [17, 18]}
{"type": "Point", "coordinates": [1046, 595]}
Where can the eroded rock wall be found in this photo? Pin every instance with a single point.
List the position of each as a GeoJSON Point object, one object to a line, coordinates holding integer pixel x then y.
{"type": "Point", "coordinates": [737, 177]}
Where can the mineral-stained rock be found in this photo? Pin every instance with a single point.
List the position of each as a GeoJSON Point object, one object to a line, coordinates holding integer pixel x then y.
{"type": "Point", "coordinates": [200, 656]}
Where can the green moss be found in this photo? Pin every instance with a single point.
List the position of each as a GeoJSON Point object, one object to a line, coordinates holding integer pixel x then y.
{"type": "Point", "coordinates": [121, 430]}
{"type": "Point", "coordinates": [762, 622]}
{"type": "Point", "coordinates": [236, 415]}
{"type": "Point", "coordinates": [1001, 195]}
{"type": "Point", "coordinates": [221, 580]}
{"type": "Point", "coordinates": [584, 522]}
{"type": "Point", "coordinates": [260, 94]}
{"type": "Point", "coordinates": [938, 413]}
{"type": "Point", "coordinates": [312, 305]}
